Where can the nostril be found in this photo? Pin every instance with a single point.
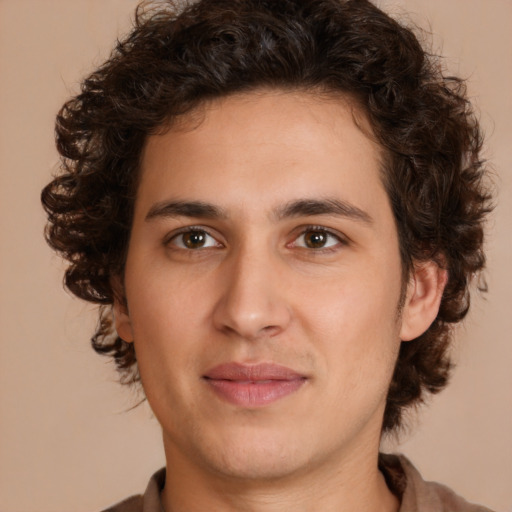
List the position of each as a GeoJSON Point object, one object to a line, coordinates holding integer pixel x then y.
{"type": "Point", "coordinates": [268, 331]}
{"type": "Point", "coordinates": [271, 330]}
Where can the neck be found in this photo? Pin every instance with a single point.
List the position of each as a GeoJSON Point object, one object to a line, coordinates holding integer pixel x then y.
{"type": "Point", "coordinates": [356, 485]}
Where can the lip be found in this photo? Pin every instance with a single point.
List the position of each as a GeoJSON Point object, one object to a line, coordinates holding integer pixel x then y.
{"type": "Point", "coordinates": [254, 385]}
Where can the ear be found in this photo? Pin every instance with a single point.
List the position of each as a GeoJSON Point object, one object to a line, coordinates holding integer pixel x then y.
{"type": "Point", "coordinates": [122, 320]}
{"type": "Point", "coordinates": [424, 293]}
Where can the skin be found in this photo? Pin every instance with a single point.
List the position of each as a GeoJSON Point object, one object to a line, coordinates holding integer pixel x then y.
{"type": "Point", "coordinates": [268, 280]}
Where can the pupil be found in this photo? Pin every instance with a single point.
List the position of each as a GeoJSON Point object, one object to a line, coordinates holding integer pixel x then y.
{"type": "Point", "coordinates": [315, 239]}
{"type": "Point", "coordinates": [194, 240]}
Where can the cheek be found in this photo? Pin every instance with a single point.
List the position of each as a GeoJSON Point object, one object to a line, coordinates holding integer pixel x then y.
{"type": "Point", "coordinates": [352, 302]}
{"type": "Point", "coordinates": [160, 300]}
{"type": "Point", "coordinates": [355, 322]}
{"type": "Point", "coordinates": [164, 320]}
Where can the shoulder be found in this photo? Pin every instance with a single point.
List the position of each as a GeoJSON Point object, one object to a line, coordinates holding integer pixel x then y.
{"type": "Point", "coordinates": [147, 502]}
{"type": "Point", "coordinates": [417, 495]}
{"type": "Point", "coordinates": [452, 502]}
{"type": "Point", "coordinates": [132, 504]}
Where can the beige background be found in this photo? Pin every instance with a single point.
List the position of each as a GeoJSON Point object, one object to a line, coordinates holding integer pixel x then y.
{"type": "Point", "coordinates": [67, 439]}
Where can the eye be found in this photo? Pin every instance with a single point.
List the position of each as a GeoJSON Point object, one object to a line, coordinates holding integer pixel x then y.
{"type": "Point", "coordinates": [194, 239]}
{"type": "Point", "coordinates": [317, 238]}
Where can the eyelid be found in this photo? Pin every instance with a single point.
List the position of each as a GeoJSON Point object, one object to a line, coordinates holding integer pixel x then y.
{"type": "Point", "coordinates": [169, 238]}
{"type": "Point", "coordinates": [342, 239]}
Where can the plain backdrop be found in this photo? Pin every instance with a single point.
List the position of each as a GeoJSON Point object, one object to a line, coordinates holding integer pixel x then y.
{"type": "Point", "coordinates": [68, 439]}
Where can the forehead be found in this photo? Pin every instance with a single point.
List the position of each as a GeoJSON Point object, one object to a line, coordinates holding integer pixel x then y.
{"type": "Point", "coordinates": [265, 147]}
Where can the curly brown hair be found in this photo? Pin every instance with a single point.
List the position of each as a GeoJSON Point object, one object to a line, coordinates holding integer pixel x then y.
{"type": "Point", "coordinates": [177, 58]}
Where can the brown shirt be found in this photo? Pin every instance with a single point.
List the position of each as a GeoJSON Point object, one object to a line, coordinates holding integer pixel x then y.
{"type": "Point", "coordinates": [415, 494]}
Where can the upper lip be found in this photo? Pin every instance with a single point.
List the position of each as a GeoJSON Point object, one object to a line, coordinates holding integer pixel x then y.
{"type": "Point", "coordinates": [252, 372]}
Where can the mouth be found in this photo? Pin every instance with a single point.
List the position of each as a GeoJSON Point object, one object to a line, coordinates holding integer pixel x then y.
{"type": "Point", "coordinates": [253, 385]}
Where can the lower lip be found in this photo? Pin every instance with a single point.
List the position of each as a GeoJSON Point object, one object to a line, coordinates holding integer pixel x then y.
{"type": "Point", "coordinates": [254, 393]}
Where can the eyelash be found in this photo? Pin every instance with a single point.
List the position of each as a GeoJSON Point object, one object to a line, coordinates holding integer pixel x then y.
{"type": "Point", "coordinates": [189, 230]}
{"type": "Point", "coordinates": [340, 240]}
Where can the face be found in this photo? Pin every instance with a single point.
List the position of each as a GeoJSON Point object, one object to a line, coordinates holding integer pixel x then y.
{"type": "Point", "coordinates": [262, 281]}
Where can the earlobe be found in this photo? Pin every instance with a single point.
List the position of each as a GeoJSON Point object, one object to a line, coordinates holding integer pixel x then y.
{"type": "Point", "coordinates": [122, 321]}
{"type": "Point", "coordinates": [424, 293]}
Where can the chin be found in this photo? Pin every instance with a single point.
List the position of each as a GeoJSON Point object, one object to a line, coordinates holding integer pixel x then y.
{"type": "Point", "coordinates": [253, 457]}
{"type": "Point", "coordinates": [259, 467]}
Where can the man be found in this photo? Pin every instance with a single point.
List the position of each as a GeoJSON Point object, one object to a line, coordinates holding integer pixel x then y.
{"type": "Point", "coordinates": [279, 206]}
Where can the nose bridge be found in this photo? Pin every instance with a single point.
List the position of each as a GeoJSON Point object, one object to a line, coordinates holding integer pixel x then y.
{"type": "Point", "coordinates": [252, 303]}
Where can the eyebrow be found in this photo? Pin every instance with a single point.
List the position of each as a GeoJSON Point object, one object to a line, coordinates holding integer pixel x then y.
{"type": "Point", "coordinates": [296, 208]}
{"type": "Point", "coordinates": [169, 209]}
{"type": "Point", "coordinates": [308, 207]}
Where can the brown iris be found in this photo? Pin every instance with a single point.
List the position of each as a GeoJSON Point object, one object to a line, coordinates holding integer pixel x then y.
{"type": "Point", "coordinates": [315, 239]}
{"type": "Point", "coordinates": [194, 239]}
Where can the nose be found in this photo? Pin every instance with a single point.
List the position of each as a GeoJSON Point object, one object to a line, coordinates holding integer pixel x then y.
{"type": "Point", "coordinates": [252, 303]}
